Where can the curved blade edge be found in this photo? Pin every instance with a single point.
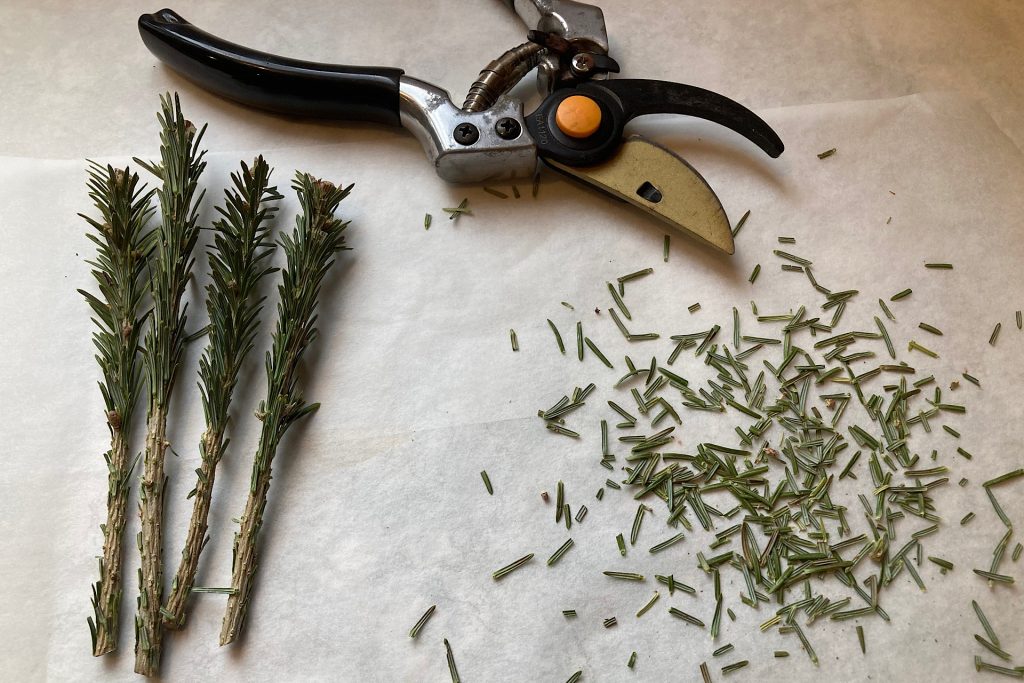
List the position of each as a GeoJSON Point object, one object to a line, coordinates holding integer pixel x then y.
{"type": "Point", "coordinates": [661, 183]}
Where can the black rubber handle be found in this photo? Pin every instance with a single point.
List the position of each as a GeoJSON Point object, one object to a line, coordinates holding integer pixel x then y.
{"type": "Point", "coordinates": [265, 81]}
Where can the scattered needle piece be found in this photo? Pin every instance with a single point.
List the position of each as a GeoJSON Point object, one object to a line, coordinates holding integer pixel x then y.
{"type": "Point", "coordinates": [736, 665]}
{"type": "Point", "coordinates": [462, 208]}
{"type": "Point", "coordinates": [560, 552]}
{"type": "Point", "coordinates": [901, 295]}
{"type": "Point", "coordinates": [558, 337]}
{"type": "Point", "coordinates": [422, 621]}
{"type": "Point", "coordinates": [995, 334]}
{"type": "Point", "coordinates": [739, 225]}
{"type": "Point", "coordinates": [827, 153]}
{"type": "Point", "coordinates": [650, 603]}
{"type": "Point", "coordinates": [451, 662]}
{"type": "Point", "coordinates": [508, 569]}
{"type": "Point", "coordinates": [914, 346]}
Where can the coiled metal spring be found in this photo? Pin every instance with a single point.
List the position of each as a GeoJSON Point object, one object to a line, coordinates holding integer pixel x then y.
{"type": "Point", "coordinates": [501, 75]}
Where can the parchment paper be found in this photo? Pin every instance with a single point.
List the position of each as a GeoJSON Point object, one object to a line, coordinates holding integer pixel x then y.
{"type": "Point", "coordinates": [377, 508]}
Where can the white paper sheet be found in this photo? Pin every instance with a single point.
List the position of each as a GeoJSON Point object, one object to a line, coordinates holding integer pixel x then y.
{"type": "Point", "coordinates": [377, 507]}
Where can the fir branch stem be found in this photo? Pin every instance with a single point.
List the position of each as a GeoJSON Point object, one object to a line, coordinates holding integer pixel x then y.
{"type": "Point", "coordinates": [148, 634]}
{"type": "Point", "coordinates": [244, 558]}
{"type": "Point", "coordinates": [237, 259]}
{"type": "Point", "coordinates": [310, 250]}
{"type": "Point", "coordinates": [176, 236]}
{"type": "Point", "coordinates": [106, 601]}
{"type": "Point", "coordinates": [122, 250]}
{"type": "Point", "coordinates": [211, 450]}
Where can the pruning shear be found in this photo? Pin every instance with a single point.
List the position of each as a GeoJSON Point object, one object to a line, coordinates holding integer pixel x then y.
{"type": "Point", "coordinates": [578, 128]}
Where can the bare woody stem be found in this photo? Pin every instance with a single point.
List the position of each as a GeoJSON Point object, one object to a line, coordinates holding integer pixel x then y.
{"type": "Point", "coordinates": [238, 260]}
{"type": "Point", "coordinates": [310, 250]}
{"type": "Point", "coordinates": [244, 567]}
{"type": "Point", "coordinates": [108, 591]}
{"type": "Point", "coordinates": [174, 611]}
{"type": "Point", "coordinates": [148, 639]}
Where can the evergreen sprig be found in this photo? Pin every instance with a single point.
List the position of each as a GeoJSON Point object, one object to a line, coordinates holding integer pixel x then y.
{"type": "Point", "coordinates": [237, 264]}
{"type": "Point", "coordinates": [310, 250]}
{"type": "Point", "coordinates": [122, 248]}
{"type": "Point", "coordinates": [181, 164]}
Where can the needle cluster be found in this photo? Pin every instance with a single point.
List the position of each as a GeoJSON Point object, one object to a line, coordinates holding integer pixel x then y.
{"type": "Point", "coordinates": [238, 261]}
{"type": "Point", "coordinates": [310, 250]}
{"type": "Point", "coordinates": [123, 245]}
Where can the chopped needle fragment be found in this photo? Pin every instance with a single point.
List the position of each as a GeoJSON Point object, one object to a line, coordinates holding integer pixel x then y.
{"type": "Point", "coordinates": [914, 346]}
{"type": "Point", "coordinates": [995, 334]}
{"type": "Point", "coordinates": [901, 295]}
{"type": "Point", "coordinates": [597, 352]}
{"type": "Point", "coordinates": [508, 569]}
{"type": "Point", "coordinates": [558, 337]}
{"type": "Point", "coordinates": [560, 552]}
{"type": "Point", "coordinates": [462, 208]}
{"type": "Point", "coordinates": [451, 662]}
{"type": "Point", "coordinates": [688, 618]}
{"type": "Point", "coordinates": [650, 603]}
{"type": "Point", "coordinates": [665, 544]}
{"type": "Point", "coordinates": [735, 666]}
{"type": "Point", "coordinates": [422, 621]}
{"type": "Point", "coordinates": [740, 223]}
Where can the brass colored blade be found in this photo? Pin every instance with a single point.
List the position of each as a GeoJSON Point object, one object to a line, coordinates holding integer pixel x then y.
{"type": "Point", "coordinates": [661, 183]}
